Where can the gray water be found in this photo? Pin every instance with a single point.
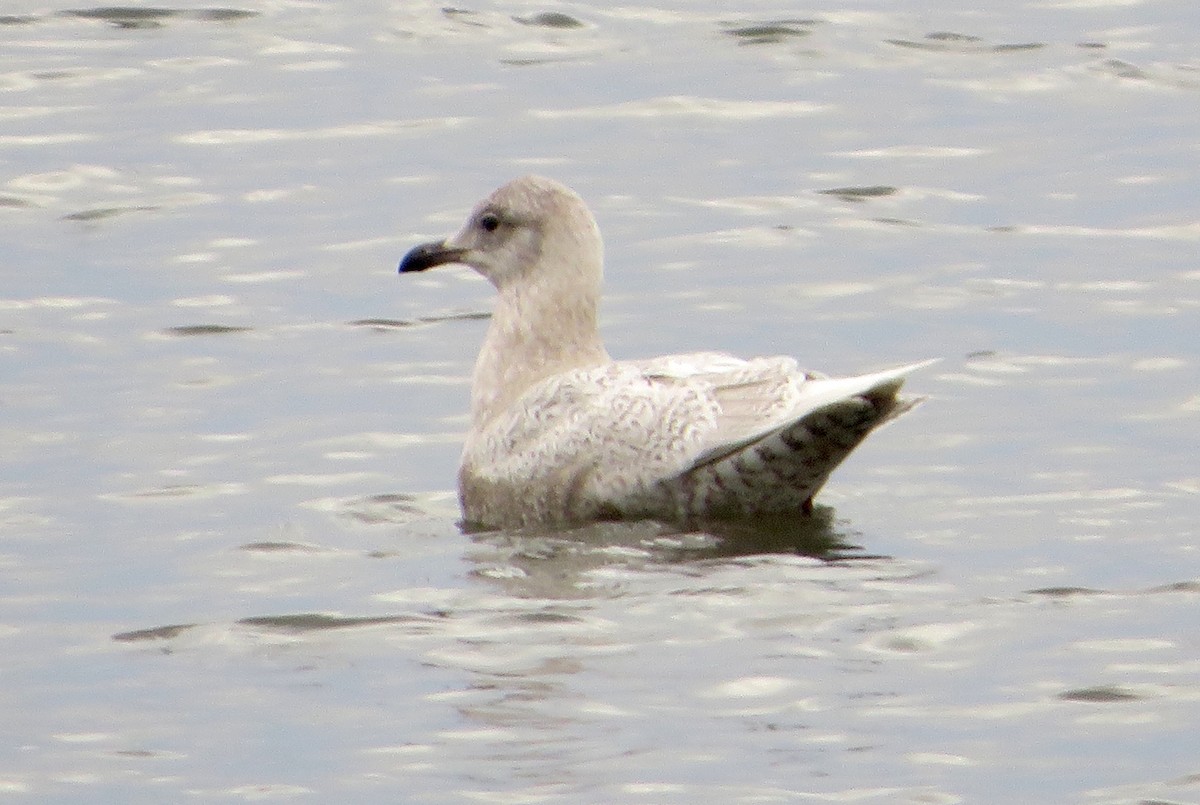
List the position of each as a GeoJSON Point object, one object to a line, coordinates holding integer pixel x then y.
{"type": "Point", "coordinates": [231, 568]}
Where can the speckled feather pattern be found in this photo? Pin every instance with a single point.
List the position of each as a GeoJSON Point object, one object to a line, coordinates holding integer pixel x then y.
{"type": "Point", "coordinates": [561, 433]}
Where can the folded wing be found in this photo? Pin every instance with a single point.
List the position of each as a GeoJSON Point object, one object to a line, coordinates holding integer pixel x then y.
{"type": "Point", "coordinates": [687, 436]}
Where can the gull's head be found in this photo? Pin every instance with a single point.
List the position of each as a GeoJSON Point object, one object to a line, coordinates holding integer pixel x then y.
{"type": "Point", "coordinates": [530, 225]}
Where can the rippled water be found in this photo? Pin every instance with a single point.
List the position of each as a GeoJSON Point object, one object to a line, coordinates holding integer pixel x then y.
{"type": "Point", "coordinates": [228, 433]}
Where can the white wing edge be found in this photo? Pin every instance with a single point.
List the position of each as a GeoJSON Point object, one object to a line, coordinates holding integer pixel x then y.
{"type": "Point", "coordinates": [832, 389]}
{"type": "Point", "coordinates": [823, 391]}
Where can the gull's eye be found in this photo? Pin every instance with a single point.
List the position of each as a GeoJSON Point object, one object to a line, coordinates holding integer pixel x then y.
{"type": "Point", "coordinates": [489, 221]}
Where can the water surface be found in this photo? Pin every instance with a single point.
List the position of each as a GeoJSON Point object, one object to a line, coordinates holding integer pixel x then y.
{"type": "Point", "coordinates": [228, 433]}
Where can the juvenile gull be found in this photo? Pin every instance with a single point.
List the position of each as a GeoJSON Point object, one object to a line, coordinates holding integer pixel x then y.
{"type": "Point", "coordinates": [561, 433]}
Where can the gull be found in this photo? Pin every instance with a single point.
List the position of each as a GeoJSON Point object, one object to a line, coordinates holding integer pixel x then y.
{"type": "Point", "coordinates": [562, 434]}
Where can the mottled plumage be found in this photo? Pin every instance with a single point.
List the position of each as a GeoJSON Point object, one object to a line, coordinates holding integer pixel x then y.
{"type": "Point", "coordinates": [561, 433]}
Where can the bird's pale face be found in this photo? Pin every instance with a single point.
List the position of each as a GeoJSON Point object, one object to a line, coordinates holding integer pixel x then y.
{"type": "Point", "coordinates": [502, 237]}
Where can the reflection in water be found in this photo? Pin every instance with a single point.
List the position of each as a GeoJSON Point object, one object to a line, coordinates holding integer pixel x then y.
{"type": "Point", "coordinates": [549, 19]}
{"type": "Point", "coordinates": [947, 42]}
{"type": "Point", "coordinates": [770, 33]}
{"type": "Point", "coordinates": [205, 329]}
{"type": "Point", "coordinates": [136, 17]}
{"type": "Point", "coordinates": [100, 213]}
{"type": "Point", "coordinates": [558, 564]}
{"type": "Point", "coordinates": [859, 193]}
{"type": "Point", "coordinates": [820, 536]}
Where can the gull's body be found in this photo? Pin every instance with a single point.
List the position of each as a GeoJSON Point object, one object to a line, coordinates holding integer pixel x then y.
{"type": "Point", "coordinates": [561, 433]}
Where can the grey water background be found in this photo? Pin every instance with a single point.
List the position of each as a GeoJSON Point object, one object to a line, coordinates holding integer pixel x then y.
{"type": "Point", "coordinates": [230, 568]}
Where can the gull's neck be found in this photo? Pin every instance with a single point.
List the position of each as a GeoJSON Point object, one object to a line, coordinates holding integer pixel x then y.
{"type": "Point", "coordinates": [540, 327]}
